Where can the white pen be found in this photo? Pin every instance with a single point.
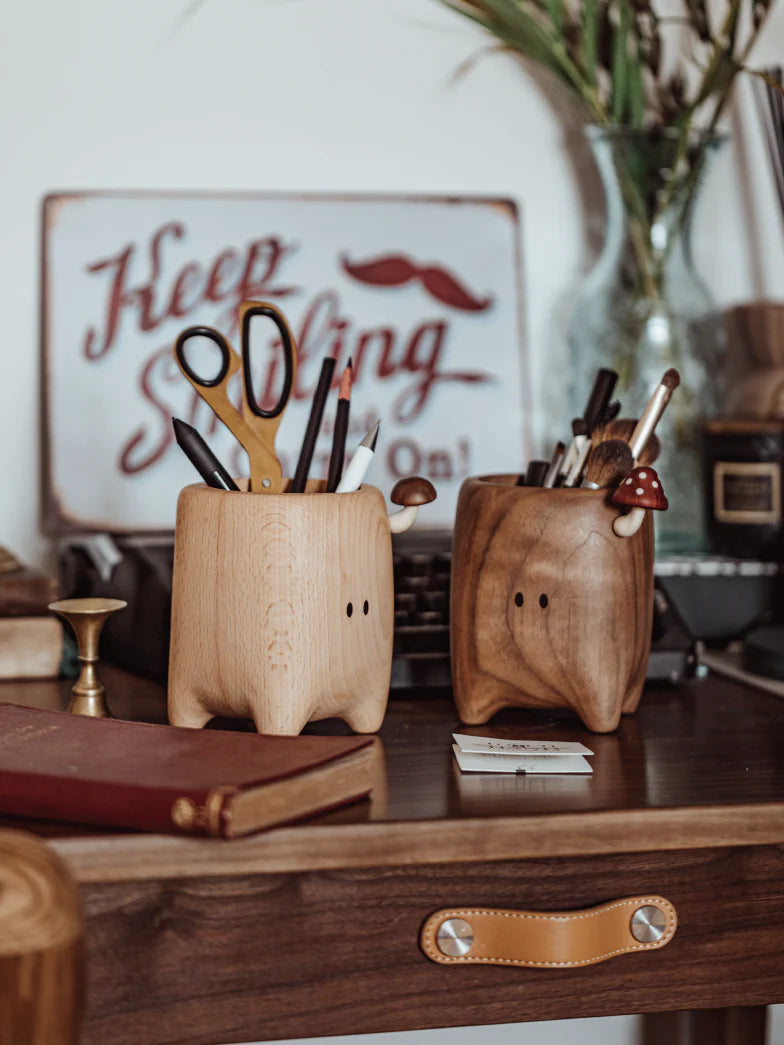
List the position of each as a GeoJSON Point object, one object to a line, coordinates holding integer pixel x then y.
{"type": "Point", "coordinates": [360, 462]}
{"type": "Point", "coordinates": [583, 449]}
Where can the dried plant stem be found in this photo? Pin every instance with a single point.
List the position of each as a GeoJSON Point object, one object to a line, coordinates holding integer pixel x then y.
{"type": "Point", "coordinates": [607, 53]}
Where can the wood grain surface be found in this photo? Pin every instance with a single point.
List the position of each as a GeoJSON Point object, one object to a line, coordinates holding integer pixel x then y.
{"type": "Point", "coordinates": [549, 608]}
{"type": "Point", "coordinates": [41, 947]}
{"type": "Point", "coordinates": [314, 929]}
{"type": "Point", "coordinates": [283, 956]}
{"type": "Point", "coordinates": [695, 766]}
{"type": "Point", "coordinates": [282, 608]}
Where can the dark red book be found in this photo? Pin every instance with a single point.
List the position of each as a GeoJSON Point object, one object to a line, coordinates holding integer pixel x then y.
{"type": "Point", "coordinates": [58, 766]}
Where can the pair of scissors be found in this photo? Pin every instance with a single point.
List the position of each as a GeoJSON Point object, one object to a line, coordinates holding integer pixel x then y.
{"type": "Point", "coordinates": [254, 427]}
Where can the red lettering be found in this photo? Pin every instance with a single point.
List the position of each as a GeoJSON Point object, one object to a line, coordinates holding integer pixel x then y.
{"type": "Point", "coordinates": [176, 305]}
{"type": "Point", "coordinates": [145, 295]}
{"type": "Point", "coordinates": [321, 333]}
{"type": "Point", "coordinates": [213, 291]}
{"type": "Point", "coordinates": [421, 357]}
{"type": "Point", "coordinates": [116, 299]}
{"type": "Point", "coordinates": [132, 462]}
{"type": "Point", "coordinates": [414, 358]}
{"type": "Point", "coordinates": [439, 465]}
{"type": "Point", "coordinates": [267, 253]}
{"type": "Point", "coordinates": [229, 279]}
{"type": "Point", "coordinates": [386, 364]}
{"type": "Point", "coordinates": [404, 458]}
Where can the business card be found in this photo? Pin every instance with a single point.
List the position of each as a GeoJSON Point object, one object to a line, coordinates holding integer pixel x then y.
{"type": "Point", "coordinates": [473, 762]}
{"type": "Point", "coordinates": [496, 746]}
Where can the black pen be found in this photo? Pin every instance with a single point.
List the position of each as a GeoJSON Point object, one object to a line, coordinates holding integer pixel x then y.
{"type": "Point", "coordinates": [335, 470]}
{"type": "Point", "coordinates": [314, 424]}
{"type": "Point", "coordinates": [201, 457]}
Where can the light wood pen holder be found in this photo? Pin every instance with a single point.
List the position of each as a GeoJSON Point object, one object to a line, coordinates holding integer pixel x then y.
{"type": "Point", "coordinates": [549, 608]}
{"type": "Point", "coordinates": [282, 608]}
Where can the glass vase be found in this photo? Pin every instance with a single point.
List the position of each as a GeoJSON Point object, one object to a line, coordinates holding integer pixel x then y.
{"type": "Point", "coordinates": [643, 308]}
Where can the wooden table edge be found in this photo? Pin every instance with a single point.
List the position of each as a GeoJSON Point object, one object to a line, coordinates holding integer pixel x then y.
{"type": "Point", "coordinates": [299, 848]}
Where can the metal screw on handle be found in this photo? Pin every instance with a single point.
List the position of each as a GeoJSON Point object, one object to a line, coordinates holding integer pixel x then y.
{"type": "Point", "coordinates": [648, 924]}
{"type": "Point", "coordinates": [455, 937]}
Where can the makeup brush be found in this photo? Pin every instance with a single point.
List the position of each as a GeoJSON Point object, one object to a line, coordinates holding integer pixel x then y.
{"type": "Point", "coordinates": [607, 464]}
{"type": "Point", "coordinates": [556, 462]}
{"type": "Point", "coordinates": [653, 411]}
{"type": "Point", "coordinates": [622, 428]}
{"type": "Point", "coordinates": [574, 474]}
{"type": "Point", "coordinates": [600, 396]}
{"type": "Point", "coordinates": [579, 438]}
{"type": "Point", "coordinates": [651, 450]}
{"type": "Point", "coordinates": [536, 472]}
{"type": "Point", "coordinates": [609, 413]}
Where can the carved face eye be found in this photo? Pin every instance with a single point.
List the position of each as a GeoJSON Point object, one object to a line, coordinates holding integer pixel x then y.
{"type": "Point", "coordinates": [349, 610]}
{"type": "Point", "coordinates": [366, 607]}
{"type": "Point", "coordinates": [543, 600]}
{"type": "Point", "coordinates": [519, 599]}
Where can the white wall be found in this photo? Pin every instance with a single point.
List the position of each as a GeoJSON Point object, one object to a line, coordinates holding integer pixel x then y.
{"type": "Point", "coordinates": [306, 94]}
{"type": "Point", "coordinates": [309, 94]}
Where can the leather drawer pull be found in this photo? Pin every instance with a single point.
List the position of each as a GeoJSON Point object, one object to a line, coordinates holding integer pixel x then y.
{"type": "Point", "coordinates": [548, 939]}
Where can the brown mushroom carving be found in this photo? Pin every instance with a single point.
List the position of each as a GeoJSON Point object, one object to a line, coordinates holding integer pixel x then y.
{"type": "Point", "coordinates": [640, 490]}
{"type": "Point", "coordinates": [410, 493]}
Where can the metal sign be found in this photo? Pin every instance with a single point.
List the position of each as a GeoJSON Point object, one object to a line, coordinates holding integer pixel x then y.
{"type": "Point", "coordinates": [423, 293]}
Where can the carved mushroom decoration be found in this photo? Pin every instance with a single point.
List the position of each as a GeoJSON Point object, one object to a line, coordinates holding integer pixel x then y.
{"type": "Point", "coordinates": [640, 490]}
{"type": "Point", "coordinates": [410, 493]}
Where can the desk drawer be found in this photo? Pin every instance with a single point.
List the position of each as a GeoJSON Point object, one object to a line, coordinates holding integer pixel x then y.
{"type": "Point", "coordinates": [208, 960]}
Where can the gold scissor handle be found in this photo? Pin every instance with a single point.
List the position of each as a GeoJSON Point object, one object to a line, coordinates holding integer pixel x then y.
{"type": "Point", "coordinates": [254, 427]}
{"type": "Point", "coordinates": [265, 466]}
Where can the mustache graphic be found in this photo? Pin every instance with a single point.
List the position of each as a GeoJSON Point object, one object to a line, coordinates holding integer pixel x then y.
{"type": "Point", "coordinates": [395, 270]}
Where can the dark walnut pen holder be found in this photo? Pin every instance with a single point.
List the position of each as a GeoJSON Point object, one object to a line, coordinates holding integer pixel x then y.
{"type": "Point", "coordinates": [549, 608]}
{"type": "Point", "coordinates": [282, 608]}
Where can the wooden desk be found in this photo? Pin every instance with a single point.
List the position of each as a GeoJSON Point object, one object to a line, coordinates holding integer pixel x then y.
{"type": "Point", "coordinates": [313, 929]}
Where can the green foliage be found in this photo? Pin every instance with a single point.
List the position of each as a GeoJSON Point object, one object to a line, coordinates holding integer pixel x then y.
{"type": "Point", "coordinates": [608, 53]}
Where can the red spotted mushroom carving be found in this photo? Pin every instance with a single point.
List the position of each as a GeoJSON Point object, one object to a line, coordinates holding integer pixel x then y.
{"type": "Point", "coordinates": [640, 490]}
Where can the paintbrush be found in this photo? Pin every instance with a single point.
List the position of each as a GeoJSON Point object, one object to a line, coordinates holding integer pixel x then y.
{"type": "Point", "coordinates": [554, 467]}
{"type": "Point", "coordinates": [653, 411]}
{"type": "Point", "coordinates": [536, 472]}
{"type": "Point", "coordinates": [573, 476]}
{"type": "Point", "coordinates": [609, 413]}
{"type": "Point", "coordinates": [600, 396]}
{"type": "Point", "coordinates": [623, 428]}
{"type": "Point", "coordinates": [651, 450]}
{"type": "Point", "coordinates": [575, 448]}
{"type": "Point", "coordinates": [607, 464]}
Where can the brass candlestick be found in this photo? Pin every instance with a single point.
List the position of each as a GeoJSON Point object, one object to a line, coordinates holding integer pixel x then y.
{"type": "Point", "coordinates": [87, 617]}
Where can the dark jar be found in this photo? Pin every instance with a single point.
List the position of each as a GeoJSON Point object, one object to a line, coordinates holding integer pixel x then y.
{"type": "Point", "coordinates": [742, 462]}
